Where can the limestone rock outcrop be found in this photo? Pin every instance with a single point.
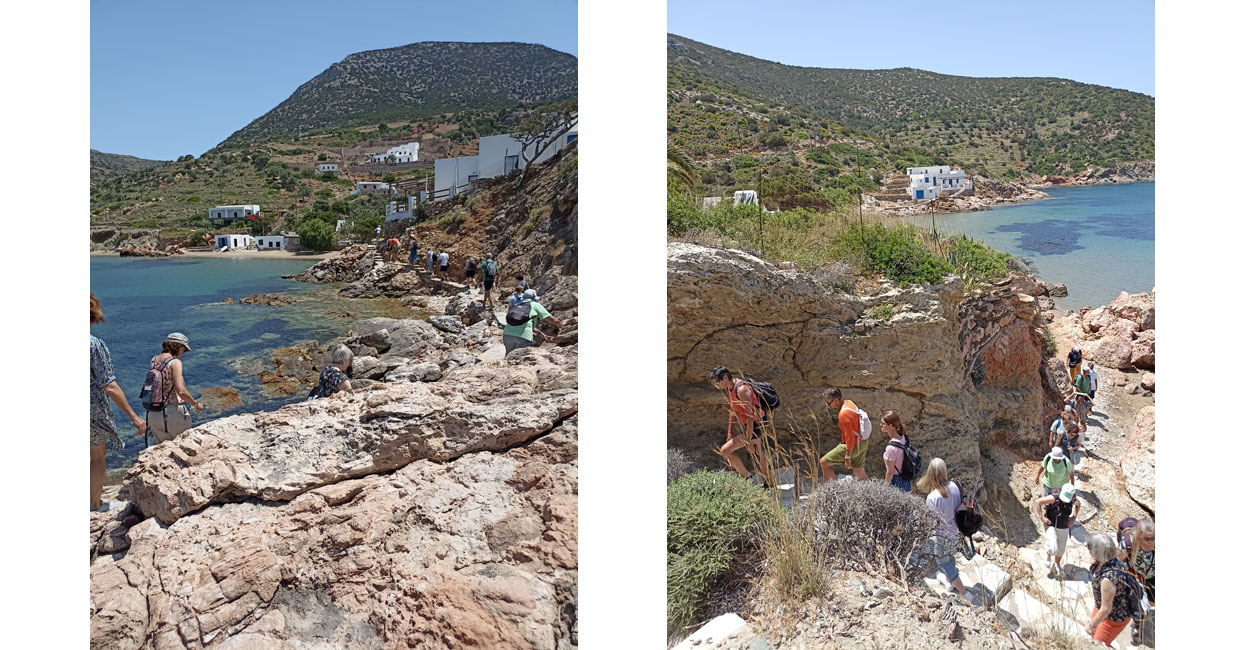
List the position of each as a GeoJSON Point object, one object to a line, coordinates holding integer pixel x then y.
{"type": "Point", "coordinates": [271, 299]}
{"type": "Point", "coordinates": [1138, 461]}
{"type": "Point", "coordinates": [1119, 335]}
{"type": "Point", "coordinates": [958, 368]}
{"type": "Point", "coordinates": [349, 265]}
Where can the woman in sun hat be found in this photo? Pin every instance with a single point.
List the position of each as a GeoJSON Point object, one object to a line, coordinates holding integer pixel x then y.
{"type": "Point", "coordinates": [169, 422]}
{"type": "Point", "coordinates": [1055, 471]}
{"type": "Point", "coordinates": [1058, 514]}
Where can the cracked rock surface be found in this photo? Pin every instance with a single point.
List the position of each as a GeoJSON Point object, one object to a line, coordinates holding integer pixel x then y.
{"type": "Point", "coordinates": [432, 515]}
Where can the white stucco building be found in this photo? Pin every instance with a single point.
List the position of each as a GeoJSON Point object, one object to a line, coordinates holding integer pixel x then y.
{"type": "Point", "coordinates": [324, 167]}
{"type": "Point", "coordinates": [271, 242]}
{"type": "Point", "coordinates": [929, 183]}
{"type": "Point", "coordinates": [233, 241]}
{"type": "Point", "coordinates": [370, 187]}
{"type": "Point", "coordinates": [401, 153]}
{"type": "Point", "coordinates": [497, 155]}
{"type": "Point", "coordinates": [398, 212]}
{"type": "Point", "coordinates": [232, 212]}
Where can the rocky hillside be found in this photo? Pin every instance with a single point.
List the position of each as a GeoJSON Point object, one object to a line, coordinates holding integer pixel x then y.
{"type": "Point", "coordinates": [110, 165]}
{"type": "Point", "coordinates": [416, 81]}
{"type": "Point", "coordinates": [1011, 127]}
{"type": "Point", "coordinates": [962, 369]}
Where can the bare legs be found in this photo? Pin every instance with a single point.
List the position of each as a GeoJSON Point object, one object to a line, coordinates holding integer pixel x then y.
{"type": "Point", "coordinates": [754, 447]}
{"type": "Point", "coordinates": [98, 461]}
{"type": "Point", "coordinates": [828, 472]}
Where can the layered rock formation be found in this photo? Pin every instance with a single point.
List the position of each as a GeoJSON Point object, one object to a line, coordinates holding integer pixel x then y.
{"type": "Point", "coordinates": [1119, 335]}
{"type": "Point", "coordinates": [411, 514]}
{"type": "Point", "coordinates": [1138, 461]}
{"type": "Point", "coordinates": [959, 368]}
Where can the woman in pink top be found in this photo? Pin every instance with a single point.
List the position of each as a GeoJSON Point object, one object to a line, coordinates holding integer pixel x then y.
{"type": "Point", "coordinates": [893, 455]}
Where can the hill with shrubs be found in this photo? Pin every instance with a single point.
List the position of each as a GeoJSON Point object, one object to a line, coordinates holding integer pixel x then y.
{"type": "Point", "coordinates": [415, 82]}
{"type": "Point", "coordinates": [110, 165]}
{"type": "Point", "coordinates": [721, 103]}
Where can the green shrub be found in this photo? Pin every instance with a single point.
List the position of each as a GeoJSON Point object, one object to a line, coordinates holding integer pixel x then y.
{"type": "Point", "coordinates": [713, 519]}
{"type": "Point", "coordinates": [896, 252]}
{"type": "Point", "coordinates": [455, 218]}
{"type": "Point", "coordinates": [975, 259]}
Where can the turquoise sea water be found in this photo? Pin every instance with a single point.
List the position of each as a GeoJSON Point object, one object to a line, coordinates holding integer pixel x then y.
{"type": "Point", "coordinates": [1098, 240]}
{"type": "Point", "coordinates": [144, 299]}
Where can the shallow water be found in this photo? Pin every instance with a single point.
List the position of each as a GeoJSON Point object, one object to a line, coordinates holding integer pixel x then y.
{"type": "Point", "coordinates": [144, 299]}
{"type": "Point", "coordinates": [1097, 240]}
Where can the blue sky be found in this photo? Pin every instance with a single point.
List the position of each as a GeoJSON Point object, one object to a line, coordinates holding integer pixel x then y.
{"type": "Point", "coordinates": [1105, 42]}
{"type": "Point", "coordinates": [169, 78]}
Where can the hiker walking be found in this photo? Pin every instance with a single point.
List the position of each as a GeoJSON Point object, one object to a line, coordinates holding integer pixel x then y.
{"type": "Point", "coordinates": [745, 408]}
{"type": "Point", "coordinates": [854, 429]}
{"type": "Point", "coordinates": [413, 250]}
{"type": "Point", "coordinates": [944, 498]}
{"type": "Point", "coordinates": [517, 296]}
{"type": "Point", "coordinates": [334, 378]}
{"type": "Point", "coordinates": [1070, 443]}
{"type": "Point", "coordinates": [1141, 563]}
{"type": "Point", "coordinates": [443, 263]}
{"type": "Point", "coordinates": [1055, 471]}
{"type": "Point", "coordinates": [1074, 363]}
{"type": "Point", "coordinates": [103, 387]}
{"type": "Point", "coordinates": [894, 455]}
{"type": "Point", "coordinates": [393, 249]}
{"type": "Point", "coordinates": [1093, 380]}
{"type": "Point", "coordinates": [430, 262]}
{"type": "Point", "coordinates": [1115, 591]}
{"type": "Point", "coordinates": [169, 395]}
{"type": "Point", "coordinates": [1060, 426]}
{"type": "Point", "coordinates": [490, 270]}
{"type": "Point", "coordinates": [1082, 404]}
{"type": "Point", "coordinates": [521, 282]}
{"type": "Point", "coordinates": [523, 321]}
{"type": "Point", "coordinates": [471, 269]}
{"type": "Point", "coordinates": [1058, 514]}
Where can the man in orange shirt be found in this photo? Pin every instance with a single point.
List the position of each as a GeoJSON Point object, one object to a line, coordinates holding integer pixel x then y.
{"type": "Point", "coordinates": [851, 452]}
{"type": "Point", "coordinates": [743, 406]}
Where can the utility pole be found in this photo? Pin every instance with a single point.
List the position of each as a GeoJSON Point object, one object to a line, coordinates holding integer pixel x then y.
{"type": "Point", "coordinates": [860, 221]}
{"type": "Point", "coordinates": [761, 240]}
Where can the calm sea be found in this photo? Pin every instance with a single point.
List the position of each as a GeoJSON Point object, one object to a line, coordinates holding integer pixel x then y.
{"type": "Point", "coordinates": [145, 299]}
{"type": "Point", "coordinates": [1097, 240]}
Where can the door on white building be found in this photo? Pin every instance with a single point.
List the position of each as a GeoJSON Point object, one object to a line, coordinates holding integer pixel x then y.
{"type": "Point", "coordinates": [511, 163]}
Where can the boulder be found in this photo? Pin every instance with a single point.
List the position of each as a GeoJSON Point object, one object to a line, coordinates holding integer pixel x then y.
{"type": "Point", "coordinates": [1056, 290]}
{"type": "Point", "coordinates": [414, 372]}
{"type": "Point", "coordinates": [450, 324]}
{"type": "Point", "coordinates": [220, 398]}
{"type": "Point", "coordinates": [472, 313]}
{"type": "Point", "coordinates": [1137, 463]}
{"type": "Point", "coordinates": [1136, 307]}
{"type": "Point", "coordinates": [1119, 328]}
{"type": "Point", "coordinates": [1143, 350]}
{"type": "Point", "coordinates": [1147, 381]}
{"type": "Point", "coordinates": [1025, 306]}
{"type": "Point", "coordinates": [270, 299]}
{"type": "Point", "coordinates": [379, 339]}
{"type": "Point", "coordinates": [278, 455]}
{"type": "Point", "coordinates": [1110, 351]}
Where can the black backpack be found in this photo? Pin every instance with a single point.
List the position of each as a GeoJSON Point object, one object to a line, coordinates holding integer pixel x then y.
{"type": "Point", "coordinates": [520, 314]}
{"type": "Point", "coordinates": [765, 392]}
{"type": "Point", "coordinates": [911, 466]}
{"type": "Point", "coordinates": [968, 514]}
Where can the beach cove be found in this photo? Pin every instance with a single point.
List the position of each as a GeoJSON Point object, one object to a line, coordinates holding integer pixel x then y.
{"type": "Point", "coordinates": [146, 298]}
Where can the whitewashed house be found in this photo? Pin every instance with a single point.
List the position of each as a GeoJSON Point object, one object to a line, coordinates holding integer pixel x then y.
{"type": "Point", "coordinates": [929, 183]}
{"type": "Point", "coordinates": [498, 155]}
{"type": "Point", "coordinates": [452, 175]}
{"type": "Point", "coordinates": [231, 212]}
{"type": "Point", "coordinates": [397, 212]}
{"type": "Point", "coordinates": [270, 242]}
{"type": "Point", "coordinates": [233, 241]}
{"type": "Point", "coordinates": [325, 167]}
{"type": "Point", "coordinates": [402, 153]}
{"type": "Point", "coordinates": [370, 187]}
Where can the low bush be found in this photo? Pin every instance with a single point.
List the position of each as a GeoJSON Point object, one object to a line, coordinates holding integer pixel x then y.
{"type": "Point", "coordinates": [897, 252]}
{"type": "Point", "coordinates": [677, 464]}
{"type": "Point", "coordinates": [713, 519]}
{"type": "Point", "coordinates": [974, 259]}
{"type": "Point", "coordinates": [866, 525]}
{"type": "Point", "coordinates": [455, 218]}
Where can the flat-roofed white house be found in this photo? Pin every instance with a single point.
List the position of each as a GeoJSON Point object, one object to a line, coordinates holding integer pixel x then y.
{"type": "Point", "coordinates": [401, 153]}
{"type": "Point", "coordinates": [270, 242]}
{"type": "Point", "coordinates": [929, 183]}
{"type": "Point", "coordinates": [452, 175]}
{"type": "Point", "coordinates": [324, 167]}
{"type": "Point", "coordinates": [232, 212]}
{"type": "Point", "coordinates": [233, 241]}
{"type": "Point", "coordinates": [498, 155]}
{"type": "Point", "coordinates": [370, 187]}
{"type": "Point", "coordinates": [398, 212]}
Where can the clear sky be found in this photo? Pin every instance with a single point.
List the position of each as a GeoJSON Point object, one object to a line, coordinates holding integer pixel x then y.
{"type": "Point", "coordinates": [171, 77]}
{"type": "Point", "coordinates": [1105, 42]}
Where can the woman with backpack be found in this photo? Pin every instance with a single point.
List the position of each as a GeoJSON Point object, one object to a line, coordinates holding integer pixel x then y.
{"type": "Point", "coordinates": [170, 417]}
{"type": "Point", "coordinates": [1116, 593]}
{"type": "Point", "coordinates": [103, 387]}
{"type": "Point", "coordinates": [944, 498]}
{"type": "Point", "coordinates": [893, 456]}
{"type": "Point", "coordinates": [1058, 514]}
{"type": "Point", "coordinates": [1055, 471]}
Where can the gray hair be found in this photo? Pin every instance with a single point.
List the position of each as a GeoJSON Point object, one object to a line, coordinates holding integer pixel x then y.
{"type": "Point", "coordinates": [1101, 548]}
{"type": "Point", "coordinates": [341, 354]}
{"type": "Point", "coordinates": [1144, 526]}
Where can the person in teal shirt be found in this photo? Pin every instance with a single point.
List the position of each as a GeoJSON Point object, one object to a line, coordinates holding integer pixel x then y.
{"type": "Point", "coordinates": [522, 336]}
{"type": "Point", "coordinates": [1055, 471]}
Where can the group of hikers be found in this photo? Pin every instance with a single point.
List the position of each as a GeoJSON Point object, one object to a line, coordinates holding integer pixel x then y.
{"type": "Point", "coordinates": [1120, 574]}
